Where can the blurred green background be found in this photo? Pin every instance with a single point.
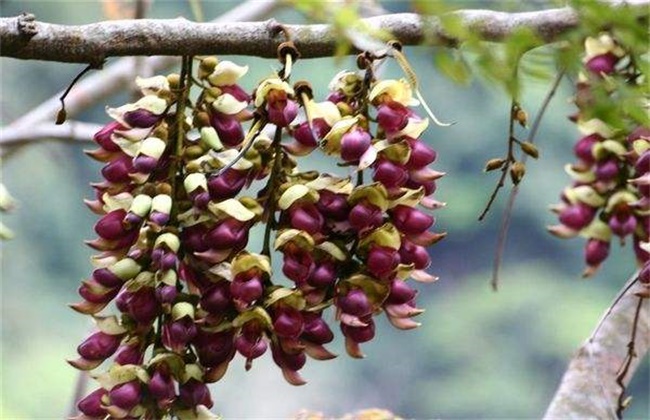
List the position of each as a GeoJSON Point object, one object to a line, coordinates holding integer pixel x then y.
{"type": "Point", "coordinates": [479, 354]}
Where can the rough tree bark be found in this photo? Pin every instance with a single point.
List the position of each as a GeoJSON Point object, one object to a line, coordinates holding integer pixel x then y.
{"type": "Point", "coordinates": [95, 42]}
{"type": "Point", "coordinates": [589, 388]}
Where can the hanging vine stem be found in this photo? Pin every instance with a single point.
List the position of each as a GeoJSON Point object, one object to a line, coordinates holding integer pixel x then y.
{"type": "Point", "coordinates": [272, 187]}
{"type": "Point", "coordinates": [631, 354]}
{"type": "Point", "coordinates": [507, 213]}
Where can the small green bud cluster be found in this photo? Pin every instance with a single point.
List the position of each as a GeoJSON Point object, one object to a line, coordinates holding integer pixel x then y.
{"type": "Point", "coordinates": [183, 186]}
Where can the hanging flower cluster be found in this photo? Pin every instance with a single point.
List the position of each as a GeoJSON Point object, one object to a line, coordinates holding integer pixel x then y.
{"type": "Point", "coordinates": [185, 183]}
{"type": "Point", "coordinates": [610, 196]}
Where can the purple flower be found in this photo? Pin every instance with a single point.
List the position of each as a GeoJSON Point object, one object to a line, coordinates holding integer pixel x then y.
{"type": "Point", "coordinates": [226, 185]}
{"type": "Point", "coordinates": [390, 174]}
{"type": "Point", "coordinates": [354, 144]}
{"type": "Point", "coordinates": [246, 289]}
{"type": "Point", "coordinates": [392, 116]}
{"type": "Point", "coordinates": [193, 393]}
{"type": "Point", "coordinates": [411, 221]}
{"type": "Point", "coordinates": [228, 128]}
{"type": "Point", "coordinates": [305, 216]}
{"type": "Point", "coordinates": [103, 137]}
{"type": "Point", "coordinates": [596, 251]}
{"type": "Point", "coordinates": [126, 395]}
{"type": "Point", "coordinates": [117, 170]}
{"type": "Point", "coordinates": [288, 322]}
{"type": "Point", "coordinates": [417, 255]}
{"type": "Point", "coordinates": [577, 216]}
{"type": "Point", "coordinates": [333, 206]}
{"type": "Point", "coordinates": [355, 303]}
{"type": "Point", "coordinates": [365, 215]}
{"type": "Point", "coordinates": [602, 64]}
{"type": "Point", "coordinates": [382, 261]}
{"type": "Point", "coordinates": [99, 346]}
{"type": "Point", "coordinates": [91, 405]}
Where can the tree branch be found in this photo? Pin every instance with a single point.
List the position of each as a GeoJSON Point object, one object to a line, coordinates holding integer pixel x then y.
{"type": "Point", "coordinates": [589, 388]}
{"type": "Point", "coordinates": [95, 42]}
{"type": "Point", "coordinates": [115, 77]}
{"type": "Point", "coordinates": [71, 130]}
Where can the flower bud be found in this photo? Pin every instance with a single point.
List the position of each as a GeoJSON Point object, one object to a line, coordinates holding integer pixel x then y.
{"type": "Point", "coordinates": [298, 265]}
{"type": "Point", "coordinates": [306, 217]}
{"type": "Point", "coordinates": [228, 127]}
{"type": "Point", "coordinates": [400, 293]}
{"type": "Point", "coordinates": [596, 251]}
{"type": "Point", "coordinates": [390, 174]}
{"type": "Point", "coordinates": [117, 170]}
{"type": "Point", "coordinates": [577, 216]}
{"type": "Point", "coordinates": [411, 221]}
{"type": "Point", "coordinates": [607, 170]}
{"type": "Point", "coordinates": [382, 261]}
{"type": "Point", "coordinates": [229, 234]}
{"type": "Point", "coordinates": [281, 111]}
{"type": "Point", "coordinates": [421, 155]}
{"type": "Point", "coordinates": [99, 346]}
{"type": "Point", "coordinates": [360, 334]}
{"type": "Point", "coordinates": [193, 393]}
{"type": "Point", "coordinates": [355, 303]}
{"type": "Point", "coordinates": [125, 395]}
{"type": "Point", "coordinates": [130, 354]}
{"type": "Point", "coordinates": [602, 64]}
{"type": "Point", "coordinates": [246, 290]}
{"type": "Point", "coordinates": [324, 275]}
{"type": "Point", "coordinates": [166, 293]}
{"type": "Point", "coordinates": [623, 223]}
{"type": "Point", "coordinates": [91, 405]}
{"type": "Point", "coordinates": [150, 153]}
{"type": "Point", "coordinates": [216, 299]}
{"type": "Point", "coordinates": [140, 118]}
{"type": "Point", "coordinates": [417, 255]}
{"type": "Point", "coordinates": [178, 333]}
{"type": "Point", "coordinates": [161, 386]}
{"type": "Point", "coordinates": [288, 323]}
{"type": "Point", "coordinates": [365, 216]}
{"type": "Point", "coordinates": [227, 185]}
{"type": "Point", "coordinates": [584, 147]}
{"type": "Point", "coordinates": [289, 361]}
{"type": "Point", "coordinates": [354, 144]}
{"type": "Point", "coordinates": [333, 206]}
{"type": "Point", "coordinates": [250, 347]}
{"type": "Point", "coordinates": [316, 330]}
{"type": "Point", "coordinates": [141, 305]}
{"type": "Point", "coordinates": [104, 137]}
{"type": "Point", "coordinates": [214, 348]}
{"type": "Point", "coordinates": [161, 206]}
{"type": "Point", "coordinates": [392, 116]}
{"type": "Point", "coordinates": [110, 226]}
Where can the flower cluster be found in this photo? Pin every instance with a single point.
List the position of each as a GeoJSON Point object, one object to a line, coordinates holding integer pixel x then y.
{"type": "Point", "coordinates": [175, 243]}
{"type": "Point", "coordinates": [610, 196]}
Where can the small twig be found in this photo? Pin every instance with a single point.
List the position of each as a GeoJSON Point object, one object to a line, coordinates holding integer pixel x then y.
{"type": "Point", "coordinates": [631, 354]}
{"type": "Point", "coordinates": [61, 116]}
{"type": "Point", "coordinates": [508, 161]}
{"type": "Point", "coordinates": [507, 213]}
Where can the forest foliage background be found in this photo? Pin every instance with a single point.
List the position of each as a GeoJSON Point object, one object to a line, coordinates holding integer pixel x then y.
{"type": "Point", "coordinates": [478, 353]}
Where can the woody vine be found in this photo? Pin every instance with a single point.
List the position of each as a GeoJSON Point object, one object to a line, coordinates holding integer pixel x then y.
{"type": "Point", "coordinates": [197, 162]}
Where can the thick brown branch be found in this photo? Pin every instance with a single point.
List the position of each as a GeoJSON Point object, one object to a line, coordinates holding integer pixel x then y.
{"type": "Point", "coordinates": [94, 42]}
{"type": "Point", "coordinates": [589, 388]}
